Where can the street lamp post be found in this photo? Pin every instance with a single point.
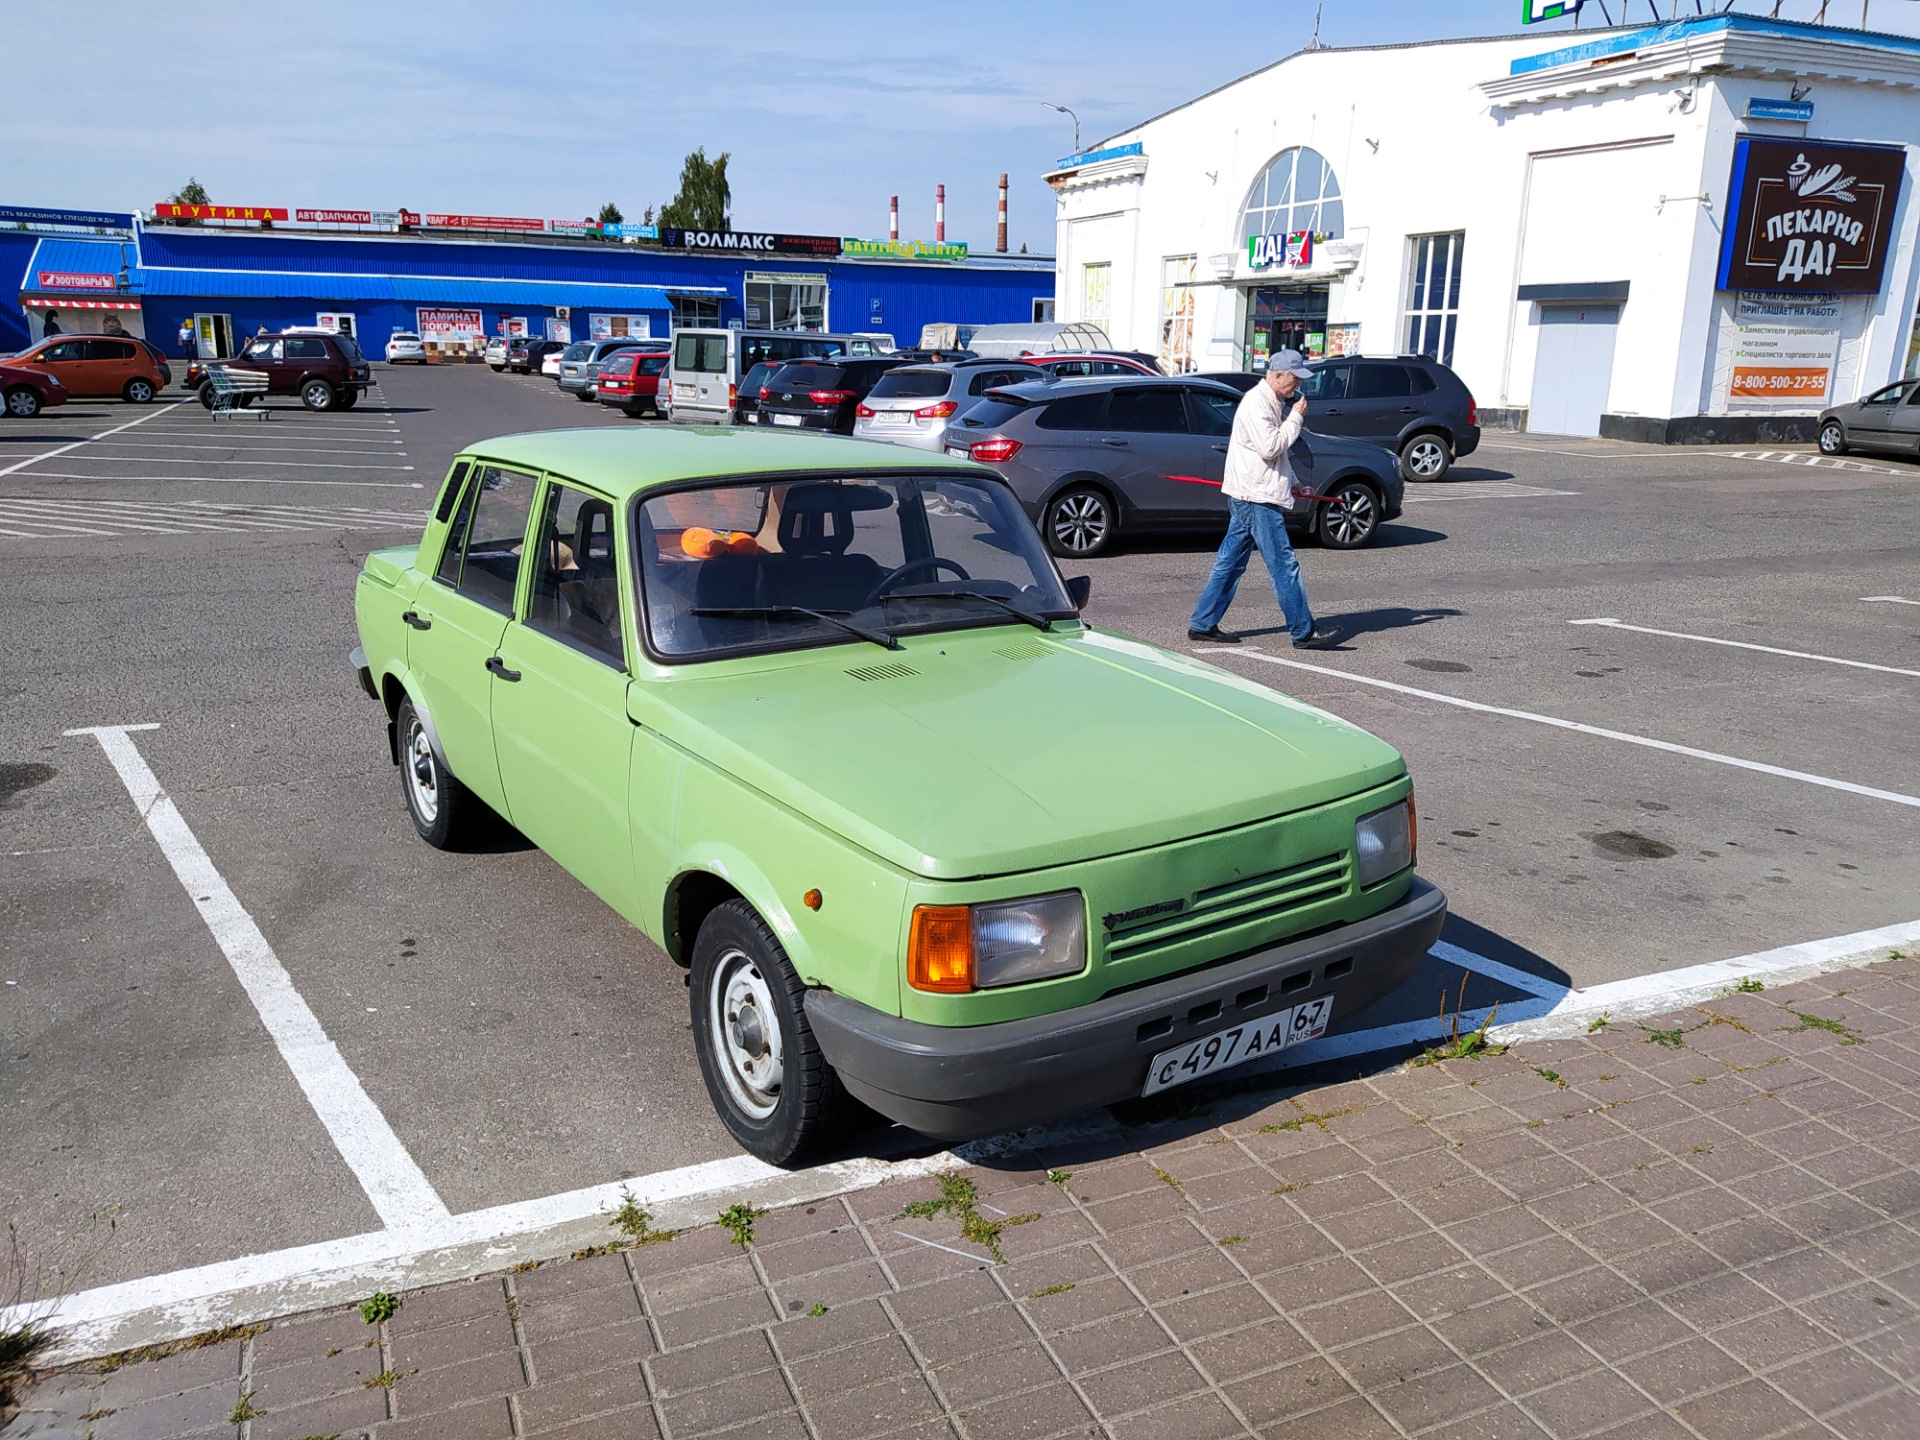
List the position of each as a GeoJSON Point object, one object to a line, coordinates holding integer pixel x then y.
{"type": "Point", "coordinates": [1075, 118]}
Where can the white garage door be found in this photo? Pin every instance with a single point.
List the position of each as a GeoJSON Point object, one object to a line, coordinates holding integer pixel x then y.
{"type": "Point", "coordinates": [1572, 368]}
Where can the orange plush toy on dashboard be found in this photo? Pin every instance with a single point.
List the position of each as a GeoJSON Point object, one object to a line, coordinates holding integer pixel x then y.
{"type": "Point", "coordinates": [704, 544]}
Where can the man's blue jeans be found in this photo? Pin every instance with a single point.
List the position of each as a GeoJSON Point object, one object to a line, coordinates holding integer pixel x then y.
{"type": "Point", "coordinates": [1262, 527]}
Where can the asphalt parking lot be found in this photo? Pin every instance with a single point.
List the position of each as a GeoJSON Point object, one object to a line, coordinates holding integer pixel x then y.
{"type": "Point", "coordinates": [1598, 801]}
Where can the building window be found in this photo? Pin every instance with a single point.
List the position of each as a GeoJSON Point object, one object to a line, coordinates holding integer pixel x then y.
{"type": "Point", "coordinates": [1096, 293]}
{"type": "Point", "coordinates": [1433, 295]}
{"type": "Point", "coordinates": [1043, 310]}
{"type": "Point", "coordinates": [702, 311]}
{"type": "Point", "coordinates": [1297, 191]}
{"type": "Point", "coordinates": [777, 301]}
{"type": "Point", "coordinates": [1176, 313]}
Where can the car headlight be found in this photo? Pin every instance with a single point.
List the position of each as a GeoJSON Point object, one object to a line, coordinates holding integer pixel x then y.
{"type": "Point", "coordinates": [954, 949]}
{"type": "Point", "coordinates": [1383, 842]}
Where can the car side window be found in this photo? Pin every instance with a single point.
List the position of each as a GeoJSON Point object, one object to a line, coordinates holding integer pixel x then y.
{"type": "Point", "coordinates": [1152, 409]}
{"type": "Point", "coordinates": [265, 351]}
{"type": "Point", "coordinates": [1913, 396]}
{"type": "Point", "coordinates": [109, 350]}
{"type": "Point", "coordinates": [495, 537]}
{"type": "Point", "coordinates": [1326, 383]}
{"type": "Point", "coordinates": [1212, 413]}
{"type": "Point", "coordinates": [450, 495]}
{"type": "Point", "coordinates": [576, 590]}
{"type": "Point", "coordinates": [65, 350]}
{"type": "Point", "coordinates": [1380, 382]}
{"type": "Point", "coordinates": [454, 548]}
{"type": "Point", "coordinates": [306, 347]}
{"type": "Point", "coordinates": [1423, 381]}
{"type": "Point", "coordinates": [1075, 412]}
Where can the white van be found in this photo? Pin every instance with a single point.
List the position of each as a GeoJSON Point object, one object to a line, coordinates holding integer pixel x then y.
{"type": "Point", "coordinates": [707, 365]}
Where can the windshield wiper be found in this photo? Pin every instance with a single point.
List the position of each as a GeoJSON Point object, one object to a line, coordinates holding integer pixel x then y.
{"type": "Point", "coordinates": [791, 612]}
{"type": "Point", "coordinates": [945, 592]}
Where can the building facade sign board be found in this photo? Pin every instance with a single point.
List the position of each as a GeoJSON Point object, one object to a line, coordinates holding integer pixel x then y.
{"type": "Point", "coordinates": [245, 213]}
{"type": "Point", "coordinates": [1810, 218]}
{"type": "Point", "coordinates": [334, 217]}
{"type": "Point", "coordinates": [1761, 108]}
{"type": "Point", "coordinates": [484, 222]}
{"type": "Point", "coordinates": [904, 249]}
{"type": "Point", "coordinates": [450, 324]}
{"type": "Point", "coordinates": [752, 241]}
{"type": "Point", "coordinates": [65, 219]}
{"type": "Point", "coordinates": [72, 280]}
{"type": "Point", "coordinates": [1294, 251]}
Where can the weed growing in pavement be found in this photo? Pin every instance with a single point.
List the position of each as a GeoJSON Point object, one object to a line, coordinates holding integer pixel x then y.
{"type": "Point", "coordinates": [1291, 1186]}
{"type": "Point", "coordinates": [1848, 1035]}
{"type": "Point", "coordinates": [1165, 1179]}
{"type": "Point", "coordinates": [140, 1354]}
{"type": "Point", "coordinates": [1553, 1075]}
{"type": "Point", "coordinates": [635, 1221]}
{"type": "Point", "coordinates": [594, 1252]}
{"type": "Point", "coordinates": [1464, 1047]}
{"type": "Point", "coordinates": [1060, 1289]}
{"type": "Point", "coordinates": [1308, 1118]}
{"type": "Point", "coordinates": [387, 1379]}
{"type": "Point", "coordinates": [380, 1309]}
{"type": "Point", "coordinates": [1674, 1039]}
{"type": "Point", "coordinates": [960, 1197]}
{"type": "Point", "coordinates": [524, 1266]}
{"type": "Point", "coordinates": [1604, 1019]}
{"type": "Point", "coordinates": [818, 1310]}
{"type": "Point", "coordinates": [738, 1221]}
{"type": "Point", "coordinates": [243, 1410]}
{"type": "Point", "coordinates": [1749, 986]}
{"type": "Point", "coordinates": [32, 1289]}
{"type": "Point", "coordinates": [1234, 1240]}
{"type": "Point", "coordinates": [1059, 1177]}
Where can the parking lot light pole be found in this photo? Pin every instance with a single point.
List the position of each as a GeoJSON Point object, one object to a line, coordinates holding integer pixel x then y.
{"type": "Point", "coordinates": [1075, 118]}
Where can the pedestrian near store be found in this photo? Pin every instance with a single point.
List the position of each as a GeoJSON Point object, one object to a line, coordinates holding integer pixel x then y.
{"type": "Point", "coordinates": [187, 346]}
{"type": "Point", "coordinates": [1259, 491]}
{"type": "Point", "coordinates": [53, 324]}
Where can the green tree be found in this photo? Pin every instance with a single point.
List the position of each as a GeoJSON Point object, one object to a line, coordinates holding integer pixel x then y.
{"type": "Point", "coordinates": [191, 193]}
{"type": "Point", "coordinates": [610, 214]}
{"type": "Point", "coordinates": [705, 197]}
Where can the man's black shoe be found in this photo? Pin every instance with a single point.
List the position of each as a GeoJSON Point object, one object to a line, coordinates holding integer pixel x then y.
{"type": "Point", "coordinates": [1215, 636]}
{"type": "Point", "coordinates": [1320, 639]}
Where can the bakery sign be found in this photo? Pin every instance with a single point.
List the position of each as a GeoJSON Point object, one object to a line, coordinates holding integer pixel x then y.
{"type": "Point", "coordinates": [1810, 219]}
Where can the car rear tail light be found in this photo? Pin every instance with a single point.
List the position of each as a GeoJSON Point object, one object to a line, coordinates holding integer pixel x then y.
{"type": "Point", "coordinates": [935, 412]}
{"type": "Point", "coordinates": [829, 397]}
{"type": "Point", "coordinates": [994, 452]}
{"type": "Point", "coordinates": [940, 949]}
{"type": "Point", "coordinates": [763, 392]}
{"type": "Point", "coordinates": [733, 394]}
{"type": "Point", "coordinates": [1473, 412]}
{"type": "Point", "coordinates": [865, 411]}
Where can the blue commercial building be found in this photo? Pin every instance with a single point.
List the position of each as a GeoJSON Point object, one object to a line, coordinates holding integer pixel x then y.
{"type": "Point", "coordinates": [150, 279]}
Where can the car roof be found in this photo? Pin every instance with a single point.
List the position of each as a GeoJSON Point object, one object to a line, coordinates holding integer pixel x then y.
{"type": "Point", "coordinates": [624, 463]}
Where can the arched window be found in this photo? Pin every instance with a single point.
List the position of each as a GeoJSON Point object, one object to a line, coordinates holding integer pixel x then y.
{"type": "Point", "coordinates": [1297, 191]}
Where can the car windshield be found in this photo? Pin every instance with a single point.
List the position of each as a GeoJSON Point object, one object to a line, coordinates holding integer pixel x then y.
{"type": "Point", "coordinates": [741, 567]}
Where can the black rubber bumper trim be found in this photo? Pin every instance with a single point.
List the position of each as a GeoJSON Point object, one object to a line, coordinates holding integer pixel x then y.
{"type": "Point", "coordinates": [357, 658]}
{"type": "Point", "coordinates": [953, 1082]}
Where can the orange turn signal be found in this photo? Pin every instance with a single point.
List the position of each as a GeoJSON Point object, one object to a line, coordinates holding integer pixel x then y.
{"type": "Point", "coordinates": [940, 949]}
{"type": "Point", "coordinates": [811, 899]}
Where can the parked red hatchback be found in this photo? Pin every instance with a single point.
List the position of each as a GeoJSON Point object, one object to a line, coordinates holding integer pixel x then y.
{"type": "Point", "coordinates": [631, 381]}
{"type": "Point", "coordinates": [28, 392]}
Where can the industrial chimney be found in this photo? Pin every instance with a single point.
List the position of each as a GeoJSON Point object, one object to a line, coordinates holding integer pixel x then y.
{"type": "Point", "coordinates": [1000, 236]}
{"type": "Point", "coordinates": [893, 218]}
{"type": "Point", "coordinates": [939, 213]}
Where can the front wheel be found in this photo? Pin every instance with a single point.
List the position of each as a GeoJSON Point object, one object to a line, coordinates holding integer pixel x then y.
{"type": "Point", "coordinates": [1425, 457]}
{"type": "Point", "coordinates": [1833, 438]}
{"type": "Point", "coordinates": [443, 810]}
{"type": "Point", "coordinates": [23, 403]}
{"type": "Point", "coordinates": [1350, 517]}
{"type": "Point", "coordinates": [1079, 523]}
{"type": "Point", "coordinates": [769, 1082]}
{"type": "Point", "coordinates": [317, 395]}
{"type": "Point", "coordinates": [138, 391]}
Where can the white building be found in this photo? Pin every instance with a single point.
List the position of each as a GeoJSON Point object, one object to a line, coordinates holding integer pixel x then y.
{"type": "Point", "coordinates": [1547, 214]}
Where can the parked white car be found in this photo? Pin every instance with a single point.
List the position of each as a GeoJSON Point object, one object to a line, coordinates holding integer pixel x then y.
{"type": "Point", "coordinates": [405, 345]}
{"type": "Point", "coordinates": [550, 363]}
{"type": "Point", "coordinates": [497, 353]}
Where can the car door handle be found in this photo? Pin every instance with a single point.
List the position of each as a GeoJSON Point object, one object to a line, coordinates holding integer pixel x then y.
{"type": "Point", "coordinates": [1409, 410]}
{"type": "Point", "coordinates": [1117, 444]}
{"type": "Point", "coordinates": [498, 667]}
{"type": "Point", "coordinates": [412, 617]}
{"type": "Point", "coordinates": [1221, 448]}
{"type": "Point", "coordinates": [1334, 410]}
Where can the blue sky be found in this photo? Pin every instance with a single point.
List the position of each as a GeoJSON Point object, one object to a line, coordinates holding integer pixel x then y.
{"type": "Point", "coordinates": [499, 108]}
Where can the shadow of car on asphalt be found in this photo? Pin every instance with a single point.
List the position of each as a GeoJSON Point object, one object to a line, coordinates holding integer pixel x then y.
{"type": "Point", "coordinates": [1393, 534]}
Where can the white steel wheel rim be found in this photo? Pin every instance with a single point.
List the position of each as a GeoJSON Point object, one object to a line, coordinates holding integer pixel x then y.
{"type": "Point", "coordinates": [1350, 515]}
{"type": "Point", "coordinates": [1425, 457]}
{"type": "Point", "coordinates": [1080, 522]}
{"type": "Point", "coordinates": [745, 1030]}
{"type": "Point", "coordinates": [423, 774]}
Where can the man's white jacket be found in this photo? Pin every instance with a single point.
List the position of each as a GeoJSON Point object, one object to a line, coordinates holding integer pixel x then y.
{"type": "Point", "coordinates": [1264, 428]}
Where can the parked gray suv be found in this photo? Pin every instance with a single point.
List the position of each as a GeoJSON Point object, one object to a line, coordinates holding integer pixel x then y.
{"type": "Point", "coordinates": [1091, 459]}
{"type": "Point", "coordinates": [582, 362]}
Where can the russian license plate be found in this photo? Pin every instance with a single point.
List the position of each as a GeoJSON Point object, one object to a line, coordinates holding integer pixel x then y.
{"type": "Point", "coordinates": [786, 419]}
{"type": "Point", "coordinates": [959, 452]}
{"type": "Point", "coordinates": [753, 419]}
{"type": "Point", "coordinates": [1227, 1048]}
{"type": "Point", "coordinates": [892, 417]}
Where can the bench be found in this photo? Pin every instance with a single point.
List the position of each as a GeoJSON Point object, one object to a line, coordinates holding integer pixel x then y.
{"type": "Point", "coordinates": [234, 390]}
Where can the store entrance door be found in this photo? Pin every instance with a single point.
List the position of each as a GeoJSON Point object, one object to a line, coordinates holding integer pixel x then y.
{"type": "Point", "coordinates": [1286, 319]}
{"type": "Point", "coordinates": [1572, 368]}
{"type": "Point", "coordinates": [214, 334]}
{"type": "Point", "coordinates": [336, 321]}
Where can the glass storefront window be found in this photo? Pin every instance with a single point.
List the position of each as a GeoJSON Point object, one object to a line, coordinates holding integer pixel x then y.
{"type": "Point", "coordinates": [1096, 293]}
{"type": "Point", "coordinates": [1433, 295]}
{"type": "Point", "coordinates": [785, 302]}
{"type": "Point", "coordinates": [1286, 320]}
{"type": "Point", "coordinates": [1176, 313]}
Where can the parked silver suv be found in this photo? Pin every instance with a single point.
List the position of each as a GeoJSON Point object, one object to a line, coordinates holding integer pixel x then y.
{"type": "Point", "coordinates": [915, 405]}
{"type": "Point", "coordinates": [582, 362]}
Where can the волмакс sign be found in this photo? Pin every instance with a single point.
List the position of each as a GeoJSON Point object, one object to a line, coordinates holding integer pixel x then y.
{"type": "Point", "coordinates": [826, 247]}
{"type": "Point", "coordinates": [1810, 219]}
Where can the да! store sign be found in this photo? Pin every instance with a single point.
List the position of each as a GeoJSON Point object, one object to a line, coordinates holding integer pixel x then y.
{"type": "Point", "coordinates": [1810, 219]}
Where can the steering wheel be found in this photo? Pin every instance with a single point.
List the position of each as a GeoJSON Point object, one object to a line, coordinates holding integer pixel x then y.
{"type": "Point", "coordinates": [935, 563]}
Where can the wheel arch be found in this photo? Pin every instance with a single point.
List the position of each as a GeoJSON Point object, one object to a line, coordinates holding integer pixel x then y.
{"type": "Point", "coordinates": [1092, 480]}
{"type": "Point", "coordinates": [1427, 426]}
{"type": "Point", "coordinates": [691, 897]}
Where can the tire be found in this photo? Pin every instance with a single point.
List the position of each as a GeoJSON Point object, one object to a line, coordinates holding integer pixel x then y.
{"type": "Point", "coordinates": [349, 398]}
{"type": "Point", "coordinates": [1425, 457]}
{"type": "Point", "coordinates": [138, 391]}
{"type": "Point", "coordinates": [23, 403]}
{"type": "Point", "coordinates": [496, 368]}
{"type": "Point", "coordinates": [583, 397]}
{"type": "Point", "coordinates": [317, 395]}
{"type": "Point", "coordinates": [1351, 518]}
{"type": "Point", "coordinates": [206, 395]}
{"type": "Point", "coordinates": [443, 810]}
{"type": "Point", "coordinates": [1833, 438]}
{"type": "Point", "coordinates": [786, 1101]}
{"type": "Point", "coordinates": [1080, 523]}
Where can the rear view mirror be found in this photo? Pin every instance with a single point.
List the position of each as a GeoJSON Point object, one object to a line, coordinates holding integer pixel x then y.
{"type": "Point", "coordinates": [1078, 589]}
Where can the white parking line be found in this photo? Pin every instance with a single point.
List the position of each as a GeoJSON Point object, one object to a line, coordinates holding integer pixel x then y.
{"type": "Point", "coordinates": [1821, 462]}
{"type": "Point", "coordinates": [140, 442]}
{"type": "Point", "coordinates": [1479, 490]}
{"type": "Point", "coordinates": [1613, 624]}
{"type": "Point", "coordinates": [393, 1182]}
{"type": "Point", "coordinates": [91, 439]}
{"type": "Point", "coordinates": [1888, 600]}
{"type": "Point", "coordinates": [223, 480]}
{"type": "Point", "coordinates": [263, 464]}
{"type": "Point", "coordinates": [1601, 732]}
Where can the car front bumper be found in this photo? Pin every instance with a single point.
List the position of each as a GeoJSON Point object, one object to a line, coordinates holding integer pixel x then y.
{"type": "Point", "coordinates": [955, 1082]}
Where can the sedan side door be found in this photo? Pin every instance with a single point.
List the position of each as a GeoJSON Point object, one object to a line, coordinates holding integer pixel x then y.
{"type": "Point", "coordinates": [1903, 433]}
{"type": "Point", "coordinates": [1210, 413]}
{"type": "Point", "coordinates": [560, 721]}
{"type": "Point", "coordinates": [1871, 423]}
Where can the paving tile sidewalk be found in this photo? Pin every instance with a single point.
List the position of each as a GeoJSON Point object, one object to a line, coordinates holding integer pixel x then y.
{"type": "Point", "coordinates": [1705, 1225]}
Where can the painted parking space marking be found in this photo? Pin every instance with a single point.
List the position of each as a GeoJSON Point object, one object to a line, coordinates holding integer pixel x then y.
{"type": "Point", "coordinates": [269, 464]}
{"type": "Point", "coordinates": [35, 517]}
{"type": "Point", "coordinates": [223, 480]}
{"type": "Point", "coordinates": [92, 439]}
{"type": "Point", "coordinates": [1821, 462]}
{"type": "Point", "coordinates": [393, 1183]}
{"type": "Point", "coordinates": [1612, 624]}
{"type": "Point", "coordinates": [1887, 600]}
{"type": "Point", "coordinates": [1598, 731]}
{"type": "Point", "coordinates": [1479, 490]}
{"type": "Point", "coordinates": [265, 1286]}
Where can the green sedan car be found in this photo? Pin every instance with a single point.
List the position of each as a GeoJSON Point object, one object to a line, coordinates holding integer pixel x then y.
{"type": "Point", "coordinates": [820, 718]}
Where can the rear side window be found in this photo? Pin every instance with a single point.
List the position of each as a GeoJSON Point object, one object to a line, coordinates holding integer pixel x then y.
{"type": "Point", "coordinates": [349, 347]}
{"type": "Point", "coordinates": [109, 350]}
{"type": "Point", "coordinates": [1326, 384]}
{"type": "Point", "coordinates": [1212, 412]}
{"type": "Point", "coordinates": [992, 414]}
{"type": "Point", "coordinates": [811, 377]}
{"type": "Point", "coordinates": [1156, 411]}
{"type": "Point", "coordinates": [306, 347]}
{"type": "Point", "coordinates": [450, 496]}
{"type": "Point", "coordinates": [576, 592]}
{"type": "Point", "coordinates": [1075, 412]}
{"type": "Point", "coordinates": [1380, 382]}
{"type": "Point", "coordinates": [913, 385]}
{"type": "Point", "coordinates": [651, 365]}
{"type": "Point", "coordinates": [987, 380]}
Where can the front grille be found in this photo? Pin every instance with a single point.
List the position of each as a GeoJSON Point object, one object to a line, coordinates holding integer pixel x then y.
{"type": "Point", "coordinates": [1259, 898]}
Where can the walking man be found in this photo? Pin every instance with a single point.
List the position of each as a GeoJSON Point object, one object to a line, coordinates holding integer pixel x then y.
{"type": "Point", "coordinates": [187, 346]}
{"type": "Point", "coordinates": [1259, 491]}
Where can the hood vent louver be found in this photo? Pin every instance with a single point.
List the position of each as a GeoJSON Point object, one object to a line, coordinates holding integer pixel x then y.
{"type": "Point", "coordinates": [882, 672]}
{"type": "Point", "coordinates": [1028, 650]}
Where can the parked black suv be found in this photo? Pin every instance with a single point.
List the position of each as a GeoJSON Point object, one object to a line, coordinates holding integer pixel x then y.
{"type": "Point", "coordinates": [820, 394]}
{"type": "Point", "coordinates": [524, 355]}
{"type": "Point", "coordinates": [1416, 407]}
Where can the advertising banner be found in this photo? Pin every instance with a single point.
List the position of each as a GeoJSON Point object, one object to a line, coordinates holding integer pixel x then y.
{"type": "Point", "coordinates": [904, 249]}
{"type": "Point", "coordinates": [335, 217]}
{"type": "Point", "coordinates": [388, 218]}
{"type": "Point", "coordinates": [463, 325]}
{"type": "Point", "coordinates": [484, 222]}
{"type": "Point", "coordinates": [70, 219]}
{"type": "Point", "coordinates": [633, 232]}
{"type": "Point", "coordinates": [757, 241]}
{"type": "Point", "coordinates": [1781, 367]}
{"type": "Point", "coordinates": [618, 327]}
{"type": "Point", "coordinates": [254, 213]}
{"type": "Point", "coordinates": [1343, 339]}
{"type": "Point", "coordinates": [1810, 219]}
{"type": "Point", "coordinates": [1294, 250]}
{"type": "Point", "coordinates": [73, 280]}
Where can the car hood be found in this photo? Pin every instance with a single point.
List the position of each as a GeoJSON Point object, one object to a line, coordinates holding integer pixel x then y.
{"type": "Point", "coordinates": [990, 751]}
